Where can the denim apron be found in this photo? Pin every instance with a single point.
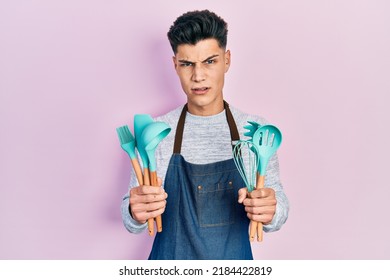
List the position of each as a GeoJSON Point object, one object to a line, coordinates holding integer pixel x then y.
{"type": "Point", "coordinates": [202, 218]}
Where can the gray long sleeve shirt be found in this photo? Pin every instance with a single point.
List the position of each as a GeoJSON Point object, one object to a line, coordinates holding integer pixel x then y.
{"type": "Point", "coordinates": [206, 139]}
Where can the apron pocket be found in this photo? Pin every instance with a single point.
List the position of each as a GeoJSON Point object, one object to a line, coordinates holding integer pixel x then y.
{"type": "Point", "coordinates": [216, 204]}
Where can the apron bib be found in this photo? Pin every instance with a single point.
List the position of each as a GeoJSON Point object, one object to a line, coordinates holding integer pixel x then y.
{"type": "Point", "coordinates": [202, 218]}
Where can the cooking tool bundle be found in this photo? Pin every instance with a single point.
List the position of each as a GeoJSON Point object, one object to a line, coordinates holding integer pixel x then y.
{"type": "Point", "coordinates": [147, 136]}
{"type": "Point", "coordinates": [251, 158]}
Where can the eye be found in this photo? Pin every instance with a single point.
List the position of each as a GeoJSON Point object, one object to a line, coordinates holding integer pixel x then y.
{"type": "Point", "coordinates": [186, 64]}
{"type": "Point", "coordinates": [210, 61]}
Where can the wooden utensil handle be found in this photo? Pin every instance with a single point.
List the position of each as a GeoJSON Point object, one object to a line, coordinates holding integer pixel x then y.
{"type": "Point", "coordinates": [146, 177]}
{"type": "Point", "coordinates": [257, 227]}
{"type": "Point", "coordinates": [138, 172]}
{"type": "Point", "coordinates": [260, 181]}
{"type": "Point", "coordinates": [252, 230]}
{"type": "Point", "coordinates": [147, 183]}
{"type": "Point", "coordinates": [153, 179]}
{"type": "Point", "coordinates": [259, 231]}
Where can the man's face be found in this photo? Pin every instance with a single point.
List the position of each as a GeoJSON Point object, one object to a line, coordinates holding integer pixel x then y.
{"type": "Point", "coordinates": [201, 69]}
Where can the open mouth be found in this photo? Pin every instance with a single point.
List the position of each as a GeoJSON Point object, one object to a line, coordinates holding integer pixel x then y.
{"type": "Point", "coordinates": [200, 90]}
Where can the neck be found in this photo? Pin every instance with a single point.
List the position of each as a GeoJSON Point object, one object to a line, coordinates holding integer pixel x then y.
{"type": "Point", "coordinates": [207, 110]}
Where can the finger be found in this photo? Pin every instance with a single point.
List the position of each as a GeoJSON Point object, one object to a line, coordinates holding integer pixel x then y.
{"type": "Point", "coordinates": [260, 210]}
{"type": "Point", "coordinates": [242, 193]}
{"type": "Point", "coordinates": [142, 217]}
{"type": "Point", "coordinates": [148, 207]}
{"type": "Point", "coordinates": [158, 212]}
{"type": "Point", "coordinates": [141, 190]}
{"type": "Point", "coordinates": [264, 219]}
{"type": "Point", "coordinates": [267, 192]}
{"type": "Point", "coordinates": [142, 211]}
{"type": "Point", "coordinates": [263, 193]}
{"type": "Point", "coordinates": [159, 181]}
{"type": "Point", "coordinates": [147, 198]}
{"type": "Point", "coordinates": [259, 202]}
{"type": "Point", "coordinates": [146, 215]}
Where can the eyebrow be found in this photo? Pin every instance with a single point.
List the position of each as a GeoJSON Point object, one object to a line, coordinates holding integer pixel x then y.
{"type": "Point", "coordinates": [187, 61]}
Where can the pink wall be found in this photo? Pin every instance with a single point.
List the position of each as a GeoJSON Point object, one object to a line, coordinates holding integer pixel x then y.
{"type": "Point", "coordinates": [72, 71]}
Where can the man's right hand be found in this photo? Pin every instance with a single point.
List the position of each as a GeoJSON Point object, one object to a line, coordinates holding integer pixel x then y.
{"type": "Point", "coordinates": [147, 202]}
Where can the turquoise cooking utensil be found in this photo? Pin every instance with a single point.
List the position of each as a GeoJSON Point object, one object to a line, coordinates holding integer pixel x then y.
{"type": "Point", "coordinates": [246, 159]}
{"type": "Point", "coordinates": [267, 140]}
{"type": "Point", "coordinates": [151, 136]}
{"type": "Point", "coordinates": [127, 141]}
{"type": "Point", "coordinates": [252, 127]}
{"type": "Point", "coordinates": [140, 122]}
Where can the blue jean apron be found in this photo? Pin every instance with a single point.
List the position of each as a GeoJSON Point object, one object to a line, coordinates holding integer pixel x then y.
{"type": "Point", "coordinates": [202, 219]}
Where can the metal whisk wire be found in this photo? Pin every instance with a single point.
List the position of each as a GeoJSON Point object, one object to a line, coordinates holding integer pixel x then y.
{"type": "Point", "coordinates": [247, 161]}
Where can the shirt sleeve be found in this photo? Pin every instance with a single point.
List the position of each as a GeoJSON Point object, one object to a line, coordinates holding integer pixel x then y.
{"type": "Point", "coordinates": [272, 180]}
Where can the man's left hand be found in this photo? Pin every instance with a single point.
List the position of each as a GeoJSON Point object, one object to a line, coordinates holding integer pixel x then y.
{"type": "Point", "coordinates": [260, 204]}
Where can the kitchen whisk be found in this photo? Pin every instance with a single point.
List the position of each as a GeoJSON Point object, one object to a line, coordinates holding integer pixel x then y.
{"type": "Point", "coordinates": [246, 158]}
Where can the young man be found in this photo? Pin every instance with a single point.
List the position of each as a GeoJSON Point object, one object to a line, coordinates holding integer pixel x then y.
{"type": "Point", "coordinates": [204, 204]}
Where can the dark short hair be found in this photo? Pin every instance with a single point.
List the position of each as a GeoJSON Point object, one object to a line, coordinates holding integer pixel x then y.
{"type": "Point", "coordinates": [194, 26]}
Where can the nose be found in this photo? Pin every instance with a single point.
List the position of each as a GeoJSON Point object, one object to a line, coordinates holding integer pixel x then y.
{"type": "Point", "coordinates": [198, 74]}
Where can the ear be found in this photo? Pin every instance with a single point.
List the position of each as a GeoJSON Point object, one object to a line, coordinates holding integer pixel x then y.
{"type": "Point", "coordinates": [174, 62]}
{"type": "Point", "coordinates": [227, 60]}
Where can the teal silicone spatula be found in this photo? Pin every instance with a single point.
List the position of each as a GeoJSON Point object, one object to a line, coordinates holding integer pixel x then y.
{"type": "Point", "coordinates": [267, 140]}
{"type": "Point", "coordinates": [152, 135]}
{"type": "Point", "coordinates": [140, 122]}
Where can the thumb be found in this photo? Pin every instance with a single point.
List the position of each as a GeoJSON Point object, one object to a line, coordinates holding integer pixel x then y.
{"type": "Point", "coordinates": [159, 181]}
{"type": "Point", "coordinates": [242, 193]}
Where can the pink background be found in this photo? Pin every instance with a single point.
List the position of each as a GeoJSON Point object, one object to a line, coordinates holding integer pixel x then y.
{"type": "Point", "coordinates": [73, 71]}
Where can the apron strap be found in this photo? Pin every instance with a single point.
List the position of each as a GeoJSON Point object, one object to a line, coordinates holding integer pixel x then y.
{"type": "Point", "coordinates": [179, 131]}
{"type": "Point", "coordinates": [234, 135]}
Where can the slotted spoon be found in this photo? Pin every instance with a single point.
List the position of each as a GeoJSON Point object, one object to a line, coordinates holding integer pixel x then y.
{"type": "Point", "coordinates": [267, 140]}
